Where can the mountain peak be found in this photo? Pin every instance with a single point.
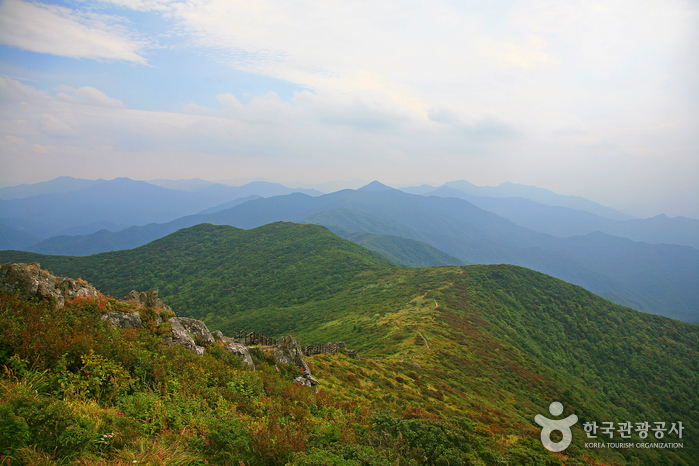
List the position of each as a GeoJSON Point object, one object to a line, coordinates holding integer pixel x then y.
{"type": "Point", "coordinates": [375, 186]}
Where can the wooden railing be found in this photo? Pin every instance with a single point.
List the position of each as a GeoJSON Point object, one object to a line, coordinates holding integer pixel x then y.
{"type": "Point", "coordinates": [255, 338]}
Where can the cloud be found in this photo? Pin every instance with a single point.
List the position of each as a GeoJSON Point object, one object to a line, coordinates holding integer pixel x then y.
{"type": "Point", "coordinates": [509, 54]}
{"type": "Point", "coordinates": [13, 90]}
{"type": "Point", "coordinates": [371, 111]}
{"type": "Point", "coordinates": [197, 109]}
{"type": "Point", "coordinates": [54, 126]}
{"type": "Point", "coordinates": [89, 96]}
{"type": "Point", "coordinates": [61, 31]}
{"type": "Point", "coordinates": [142, 5]}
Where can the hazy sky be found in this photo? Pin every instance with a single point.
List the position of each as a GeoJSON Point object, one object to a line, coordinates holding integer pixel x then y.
{"type": "Point", "coordinates": [598, 99]}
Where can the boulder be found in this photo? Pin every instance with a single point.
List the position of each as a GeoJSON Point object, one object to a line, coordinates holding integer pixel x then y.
{"type": "Point", "coordinates": [198, 330]}
{"type": "Point", "coordinates": [123, 320]}
{"type": "Point", "coordinates": [241, 351]}
{"type": "Point", "coordinates": [181, 337]}
{"type": "Point", "coordinates": [288, 351]}
{"type": "Point", "coordinates": [31, 281]}
{"type": "Point", "coordinates": [306, 380]}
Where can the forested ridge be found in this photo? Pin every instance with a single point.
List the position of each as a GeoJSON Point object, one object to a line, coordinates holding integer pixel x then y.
{"type": "Point", "coordinates": [455, 361]}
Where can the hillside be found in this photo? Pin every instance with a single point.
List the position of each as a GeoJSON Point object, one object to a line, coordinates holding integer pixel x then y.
{"type": "Point", "coordinates": [400, 251]}
{"type": "Point", "coordinates": [456, 361]}
{"type": "Point", "coordinates": [217, 270]}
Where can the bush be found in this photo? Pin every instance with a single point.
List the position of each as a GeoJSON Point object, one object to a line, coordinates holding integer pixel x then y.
{"type": "Point", "coordinates": [29, 417]}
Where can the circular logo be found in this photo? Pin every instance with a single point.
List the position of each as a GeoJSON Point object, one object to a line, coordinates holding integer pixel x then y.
{"type": "Point", "coordinates": [561, 425]}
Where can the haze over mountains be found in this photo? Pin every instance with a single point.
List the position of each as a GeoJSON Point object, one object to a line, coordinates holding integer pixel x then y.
{"type": "Point", "coordinates": [558, 217]}
{"type": "Point", "coordinates": [567, 237]}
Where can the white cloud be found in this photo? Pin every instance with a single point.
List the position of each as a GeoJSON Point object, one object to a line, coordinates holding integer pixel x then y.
{"type": "Point", "coordinates": [89, 96]}
{"type": "Point", "coordinates": [530, 63]}
{"type": "Point", "coordinates": [511, 54]}
{"type": "Point", "coordinates": [13, 90]}
{"type": "Point", "coordinates": [61, 31]}
{"type": "Point", "coordinates": [54, 126]}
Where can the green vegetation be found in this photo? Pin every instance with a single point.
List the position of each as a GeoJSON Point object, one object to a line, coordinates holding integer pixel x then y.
{"type": "Point", "coordinates": [401, 251]}
{"type": "Point", "coordinates": [456, 361]}
{"type": "Point", "coordinates": [209, 270]}
{"type": "Point", "coordinates": [75, 391]}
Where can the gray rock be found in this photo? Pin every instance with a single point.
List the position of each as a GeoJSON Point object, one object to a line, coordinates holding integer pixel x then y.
{"type": "Point", "coordinates": [198, 330]}
{"type": "Point", "coordinates": [31, 281]}
{"type": "Point", "coordinates": [132, 297]}
{"type": "Point", "coordinates": [149, 299]}
{"type": "Point", "coordinates": [306, 380]}
{"type": "Point", "coordinates": [288, 351]}
{"type": "Point", "coordinates": [123, 320]}
{"type": "Point", "coordinates": [181, 337]}
{"type": "Point", "coordinates": [241, 351]}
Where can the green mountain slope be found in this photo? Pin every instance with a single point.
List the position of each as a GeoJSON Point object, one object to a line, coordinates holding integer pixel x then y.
{"type": "Point", "coordinates": [216, 270]}
{"type": "Point", "coordinates": [461, 356]}
{"type": "Point", "coordinates": [402, 251]}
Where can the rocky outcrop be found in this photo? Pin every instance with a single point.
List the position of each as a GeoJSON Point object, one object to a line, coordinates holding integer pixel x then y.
{"type": "Point", "coordinates": [149, 299]}
{"type": "Point", "coordinates": [198, 330]}
{"type": "Point", "coordinates": [123, 320]}
{"type": "Point", "coordinates": [306, 380]}
{"type": "Point", "coordinates": [234, 347]}
{"type": "Point", "coordinates": [180, 336]}
{"type": "Point", "coordinates": [31, 281]}
{"type": "Point", "coordinates": [288, 351]}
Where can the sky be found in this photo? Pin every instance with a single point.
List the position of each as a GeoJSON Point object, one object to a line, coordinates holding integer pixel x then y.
{"type": "Point", "coordinates": [593, 99]}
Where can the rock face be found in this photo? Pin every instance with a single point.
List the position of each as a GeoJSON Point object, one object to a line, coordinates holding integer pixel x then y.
{"type": "Point", "coordinates": [123, 320]}
{"type": "Point", "coordinates": [232, 346]}
{"type": "Point", "coordinates": [149, 299]}
{"type": "Point", "coordinates": [31, 281]}
{"type": "Point", "coordinates": [288, 351]}
{"type": "Point", "coordinates": [180, 336]}
{"type": "Point", "coordinates": [198, 330]}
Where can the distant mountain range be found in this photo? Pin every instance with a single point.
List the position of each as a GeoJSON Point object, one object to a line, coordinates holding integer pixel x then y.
{"type": "Point", "coordinates": [540, 195]}
{"type": "Point", "coordinates": [67, 205]}
{"type": "Point", "coordinates": [451, 225]}
{"type": "Point", "coordinates": [654, 278]}
{"type": "Point", "coordinates": [560, 220]}
{"type": "Point", "coordinates": [62, 184]}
